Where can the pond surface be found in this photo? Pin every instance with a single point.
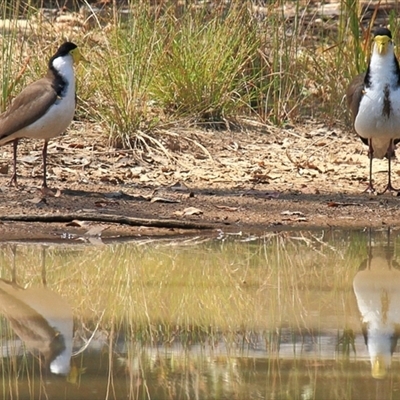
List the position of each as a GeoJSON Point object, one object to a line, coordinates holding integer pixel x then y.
{"type": "Point", "coordinates": [292, 315]}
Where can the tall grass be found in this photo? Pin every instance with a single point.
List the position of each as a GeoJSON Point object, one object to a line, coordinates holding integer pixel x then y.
{"type": "Point", "coordinates": [159, 65]}
{"type": "Point", "coordinates": [12, 65]}
{"type": "Point", "coordinates": [205, 69]}
{"type": "Point", "coordinates": [124, 70]}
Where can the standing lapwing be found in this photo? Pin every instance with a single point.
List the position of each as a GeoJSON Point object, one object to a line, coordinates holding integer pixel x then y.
{"type": "Point", "coordinates": [374, 100]}
{"type": "Point", "coordinates": [45, 108]}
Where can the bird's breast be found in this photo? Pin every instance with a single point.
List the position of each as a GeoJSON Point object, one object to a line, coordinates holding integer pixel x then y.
{"type": "Point", "coordinates": [55, 121]}
{"type": "Point", "coordinates": [378, 118]}
{"type": "Point", "coordinates": [379, 114]}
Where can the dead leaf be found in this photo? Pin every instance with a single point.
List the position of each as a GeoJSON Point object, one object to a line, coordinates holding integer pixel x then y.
{"type": "Point", "coordinates": [273, 175]}
{"type": "Point", "coordinates": [144, 178]}
{"type": "Point", "coordinates": [50, 193]}
{"type": "Point", "coordinates": [287, 212]}
{"type": "Point", "coordinates": [29, 159]}
{"type": "Point", "coordinates": [37, 200]}
{"type": "Point", "coordinates": [163, 200]}
{"type": "Point", "coordinates": [78, 223]}
{"type": "Point", "coordinates": [192, 211]}
{"type": "Point", "coordinates": [179, 187]}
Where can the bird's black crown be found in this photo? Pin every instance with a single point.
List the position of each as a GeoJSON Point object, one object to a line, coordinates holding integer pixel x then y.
{"type": "Point", "coordinates": [383, 32]}
{"type": "Point", "coordinates": [62, 51]}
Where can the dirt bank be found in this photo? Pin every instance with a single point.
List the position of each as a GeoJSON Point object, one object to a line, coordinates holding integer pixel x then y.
{"type": "Point", "coordinates": [250, 179]}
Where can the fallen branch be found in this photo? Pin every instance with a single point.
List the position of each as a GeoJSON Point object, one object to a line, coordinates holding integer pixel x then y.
{"type": "Point", "coordinates": [116, 219]}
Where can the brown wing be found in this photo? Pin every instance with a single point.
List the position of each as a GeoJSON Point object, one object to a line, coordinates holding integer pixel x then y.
{"type": "Point", "coordinates": [354, 94]}
{"type": "Point", "coordinates": [29, 105]}
{"type": "Point", "coordinates": [28, 324]}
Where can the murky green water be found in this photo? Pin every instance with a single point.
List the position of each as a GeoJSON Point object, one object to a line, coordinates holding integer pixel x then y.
{"type": "Point", "coordinates": [294, 315]}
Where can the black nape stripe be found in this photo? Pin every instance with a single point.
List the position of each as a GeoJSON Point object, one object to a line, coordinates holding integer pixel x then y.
{"type": "Point", "coordinates": [367, 79]}
{"type": "Point", "coordinates": [59, 84]}
{"type": "Point", "coordinates": [397, 69]}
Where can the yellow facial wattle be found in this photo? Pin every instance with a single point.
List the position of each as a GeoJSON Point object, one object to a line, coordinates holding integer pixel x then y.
{"type": "Point", "coordinates": [382, 44]}
{"type": "Point", "coordinates": [76, 55]}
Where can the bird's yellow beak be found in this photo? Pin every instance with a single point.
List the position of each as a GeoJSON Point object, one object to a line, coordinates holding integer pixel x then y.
{"type": "Point", "coordinates": [379, 368]}
{"type": "Point", "coordinates": [77, 56]}
{"type": "Point", "coordinates": [382, 44]}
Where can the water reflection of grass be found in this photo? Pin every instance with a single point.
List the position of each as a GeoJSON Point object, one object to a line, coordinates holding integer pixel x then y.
{"type": "Point", "coordinates": [222, 286]}
{"type": "Point", "coordinates": [194, 300]}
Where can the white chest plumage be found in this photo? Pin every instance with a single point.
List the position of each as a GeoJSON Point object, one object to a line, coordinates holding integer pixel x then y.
{"type": "Point", "coordinates": [379, 112]}
{"type": "Point", "coordinates": [58, 117]}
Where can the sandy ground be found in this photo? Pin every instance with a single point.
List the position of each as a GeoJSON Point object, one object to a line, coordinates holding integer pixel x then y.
{"type": "Point", "coordinates": [246, 180]}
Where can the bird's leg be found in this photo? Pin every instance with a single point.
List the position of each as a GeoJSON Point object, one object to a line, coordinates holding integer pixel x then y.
{"type": "Point", "coordinates": [44, 152]}
{"type": "Point", "coordinates": [390, 154]}
{"type": "Point", "coordinates": [13, 180]}
{"type": "Point", "coordinates": [370, 188]}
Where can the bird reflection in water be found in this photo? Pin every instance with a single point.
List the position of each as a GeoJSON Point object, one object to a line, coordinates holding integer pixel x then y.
{"type": "Point", "coordinates": [42, 319]}
{"type": "Point", "coordinates": [377, 289]}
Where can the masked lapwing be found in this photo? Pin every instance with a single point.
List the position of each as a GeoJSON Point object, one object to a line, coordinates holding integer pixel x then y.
{"type": "Point", "coordinates": [374, 100]}
{"type": "Point", "coordinates": [45, 108]}
{"type": "Point", "coordinates": [377, 289]}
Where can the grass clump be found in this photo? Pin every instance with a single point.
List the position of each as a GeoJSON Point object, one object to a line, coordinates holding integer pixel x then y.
{"type": "Point", "coordinates": [123, 73]}
{"type": "Point", "coordinates": [161, 67]}
{"type": "Point", "coordinates": [13, 65]}
{"type": "Point", "coordinates": [205, 65]}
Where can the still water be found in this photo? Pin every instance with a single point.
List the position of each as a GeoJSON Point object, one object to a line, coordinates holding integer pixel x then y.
{"type": "Point", "coordinates": [292, 315]}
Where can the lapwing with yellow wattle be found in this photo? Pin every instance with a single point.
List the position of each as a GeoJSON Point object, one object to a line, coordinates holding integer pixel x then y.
{"type": "Point", "coordinates": [374, 100]}
{"type": "Point", "coordinates": [45, 108]}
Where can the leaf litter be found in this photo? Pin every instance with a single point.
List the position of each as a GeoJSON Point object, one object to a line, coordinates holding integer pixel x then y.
{"type": "Point", "coordinates": [247, 177]}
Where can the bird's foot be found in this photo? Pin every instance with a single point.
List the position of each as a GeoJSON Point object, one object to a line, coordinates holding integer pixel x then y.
{"type": "Point", "coordinates": [370, 189]}
{"type": "Point", "coordinates": [48, 192]}
{"type": "Point", "coordinates": [389, 188]}
{"type": "Point", "coordinates": [44, 184]}
{"type": "Point", "coordinates": [13, 181]}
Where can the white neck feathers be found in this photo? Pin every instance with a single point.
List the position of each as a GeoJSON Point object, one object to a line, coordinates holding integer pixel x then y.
{"type": "Point", "coordinates": [382, 68]}
{"type": "Point", "coordinates": [65, 67]}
